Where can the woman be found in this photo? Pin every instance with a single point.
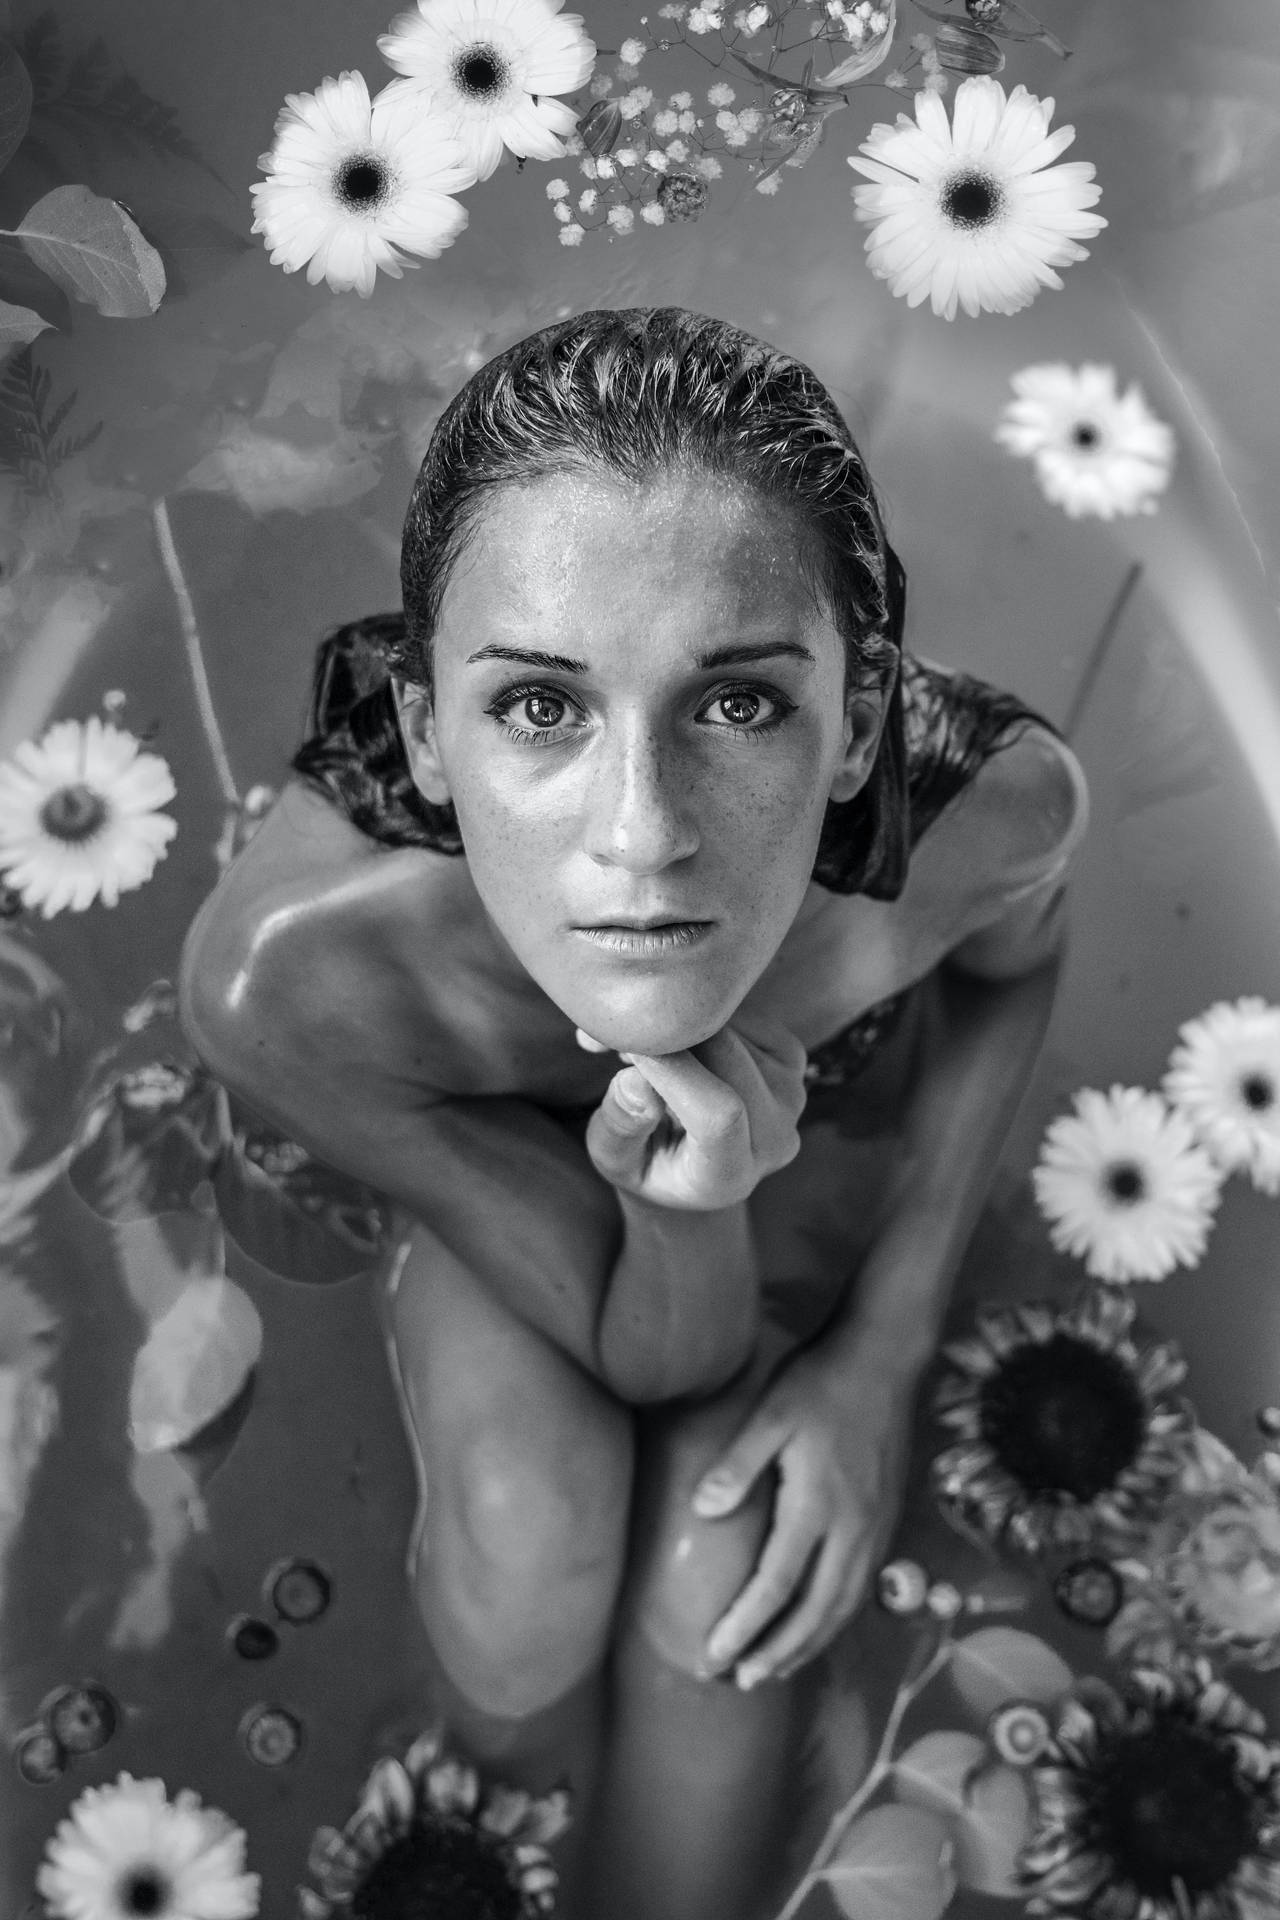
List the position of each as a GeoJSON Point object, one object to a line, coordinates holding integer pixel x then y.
{"type": "Point", "coordinates": [675, 951]}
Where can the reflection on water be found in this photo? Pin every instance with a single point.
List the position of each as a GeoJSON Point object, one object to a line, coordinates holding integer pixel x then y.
{"type": "Point", "coordinates": [194, 1380]}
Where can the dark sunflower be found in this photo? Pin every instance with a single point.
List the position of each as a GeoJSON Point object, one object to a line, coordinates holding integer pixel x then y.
{"type": "Point", "coordinates": [1161, 1804]}
{"type": "Point", "coordinates": [426, 1843]}
{"type": "Point", "coordinates": [1062, 1425]}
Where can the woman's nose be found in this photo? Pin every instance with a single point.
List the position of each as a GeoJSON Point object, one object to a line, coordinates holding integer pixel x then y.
{"type": "Point", "coordinates": [640, 808]}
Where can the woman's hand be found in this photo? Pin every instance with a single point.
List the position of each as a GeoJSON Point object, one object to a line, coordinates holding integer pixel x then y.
{"type": "Point", "coordinates": [700, 1129]}
{"type": "Point", "coordinates": [839, 1437]}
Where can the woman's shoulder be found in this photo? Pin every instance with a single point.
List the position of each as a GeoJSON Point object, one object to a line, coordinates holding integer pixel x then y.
{"type": "Point", "coordinates": [997, 766]}
{"type": "Point", "coordinates": [304, 934]}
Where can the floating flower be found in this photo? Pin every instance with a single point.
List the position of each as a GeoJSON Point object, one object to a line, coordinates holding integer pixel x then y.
{"type": "Point", "coordinates": [1224, 1077]}
{"type": "Point", "coordinates": [1125, 1185]}
{"type": "Point", "coordinates": [969, 212]}
{"type": "Point", "coordinates": [491, 68]}
{"type": "Point", "coordinates": [78, 816]}
{"type": "Point", "coordinates": [1061, 1421]}
{"type": "Point", "coordinates": [423, 1832]}
{"type": "Point", "coordinates": [125, 1850]}
{"type": "Point", "coordinates": [354, 184]}
{"type": "Point", "coordinates": [1095, 450]}
{"type": "Point", "coordinates": [1161, 1804]}
{"type": "Point", "coordinates": [1206, 1578]}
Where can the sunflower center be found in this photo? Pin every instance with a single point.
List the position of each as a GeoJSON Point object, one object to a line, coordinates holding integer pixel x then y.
{"type": "Point", "coordinates": [971, 200]}
{"type": "Point", "coordinates": [1062, 1417]}
{"type": "Point", "coordinates": [1168, 1804]}
{"type": "Point", "coordinates": [143, 1891]}
{"type": "Point", "coordinates": [362, 182]}
{"type": "Point", "coordinates": [1085, 435]}
{"type": "Point", "coordinates": [1125, 1182]}
{"type": "Point", "coordinates": [73, 813]}
{"type": "Point", "coordinates": [442, 1870]}
{"type": "Point", "coordinates": [1258, 1091]}
{"type": "Point", "coordinates": [481, 73]}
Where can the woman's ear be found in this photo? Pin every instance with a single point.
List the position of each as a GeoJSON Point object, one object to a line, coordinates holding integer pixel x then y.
{"type": "Point", "coordinates": [863, 724]}
{"type": "Point", "coordinates": [417, 730]}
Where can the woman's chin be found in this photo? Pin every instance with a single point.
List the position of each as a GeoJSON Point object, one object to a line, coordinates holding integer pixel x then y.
{"type": "Point", "coordinates": [652, 1032]}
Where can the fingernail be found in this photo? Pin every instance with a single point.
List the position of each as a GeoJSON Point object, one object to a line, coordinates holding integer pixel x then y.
{"type": "Point", "coordinates": [750, 1676]}
{"type": "Point", "coordinates": [711, 1495]}
{"type": "Point", "coordinates": [585, 1040]}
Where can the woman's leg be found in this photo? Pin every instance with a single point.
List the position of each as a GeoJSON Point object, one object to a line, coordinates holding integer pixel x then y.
{"type": "Point", "coordinates": [526, 1465]}
{"type": "Point", "coordinates": [689, 1821]}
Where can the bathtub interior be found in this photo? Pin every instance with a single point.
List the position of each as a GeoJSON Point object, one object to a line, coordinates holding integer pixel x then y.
{"type": "Point", "coordinates": [133, 1568]}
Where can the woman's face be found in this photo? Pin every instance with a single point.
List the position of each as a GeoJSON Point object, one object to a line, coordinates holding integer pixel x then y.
{"type": "Point", "coordinates": [639, 716]}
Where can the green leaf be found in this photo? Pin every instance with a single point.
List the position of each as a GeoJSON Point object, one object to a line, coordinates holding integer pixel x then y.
{"type": "Point", "coordinates": [91, 247]}
{"type": "Point", "coordinates": [991, 1831]}
{"type": "Point", "coordinates": [998, 1664]}
{"type": "Point", "coordinates": [936, 1772]}
{"type": "Point", "coordinates": [894, 1863]}
{"type": "Point", "coordinates": [193, 1363]}
{"type": "Point", "coordinates": [18, 326]}
{"type": "Point", "coordinates": [15, 102]}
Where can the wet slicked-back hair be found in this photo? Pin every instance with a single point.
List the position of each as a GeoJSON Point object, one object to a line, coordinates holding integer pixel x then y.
{"type": "Point", "coordinates": [634, 394]}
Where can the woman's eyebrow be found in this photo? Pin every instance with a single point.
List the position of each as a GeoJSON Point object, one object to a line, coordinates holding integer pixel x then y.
{"type": "Point", "coordinates": [736, 654]}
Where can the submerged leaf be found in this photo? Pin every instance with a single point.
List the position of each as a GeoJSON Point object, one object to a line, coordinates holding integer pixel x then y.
{"type": "Point", "coordinates": [147, 1147]}
{"type": "Point", "coordinates": [894, 1863]}
{"type": "Point", "coordinates": [193, 1363]}
{"type": "Point", "coordinates": [991, 1831]}
{"type": "Point", "coordinates": [294, 1215]}
{"type": "Point", "coordinates": [18, 326]}
{"type": "Point", "coordinates": [93, 249]}
{"type": "Point", "coordinates": [998, 1664]}
{"type": "Point", "coordinates": [15, 102]}
{"type": "Point", "coordinates": [937, 1770]}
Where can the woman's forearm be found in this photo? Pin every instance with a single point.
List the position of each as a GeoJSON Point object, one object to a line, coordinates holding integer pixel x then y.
{"type": "Point", "coordinates": [982, 1051]}
{"type": "Point", "coordinates": [681, 1309]}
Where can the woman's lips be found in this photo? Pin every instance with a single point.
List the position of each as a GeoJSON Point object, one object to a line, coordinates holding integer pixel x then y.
{"type": "Point", "coordinates": [670, 937]}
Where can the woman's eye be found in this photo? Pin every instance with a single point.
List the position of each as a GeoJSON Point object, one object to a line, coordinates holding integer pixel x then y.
{"type": "Point", "coordinates": [529, 713]}
{"type": "Point", "coordinates": [741, 707]}
{"type": "Point", "coordinates": [539, 710]}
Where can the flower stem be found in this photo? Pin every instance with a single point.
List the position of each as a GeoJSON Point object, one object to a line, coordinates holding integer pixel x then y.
{"type": "Point", "coordinates": [1100, 649]}
{"type": "Point", "coordinates": [881, 1767]}
{"type": "Point", "coordinates": [195, 655]}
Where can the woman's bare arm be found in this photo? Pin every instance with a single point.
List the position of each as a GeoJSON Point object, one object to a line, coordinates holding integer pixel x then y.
{"type": "Point", "coordinates": [637, 1294]}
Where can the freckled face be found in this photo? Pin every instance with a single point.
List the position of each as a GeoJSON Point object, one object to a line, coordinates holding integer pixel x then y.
{"type": "Point", "coordinates": [668, 754]}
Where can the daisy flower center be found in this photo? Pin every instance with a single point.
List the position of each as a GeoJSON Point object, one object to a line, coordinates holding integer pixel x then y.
{"type": "Point", "coordinates": [481, 73]}
{"type": "Point", "coordinates": [436, 1869]}
{"type": "Point", "coordinates": [143, 1891]}
{"type": "Point", "coordinates": [971, 200]}
{"type": "Point", "coordinates": [1086, 435]}
{"type": "Point", "coordinates": [1062, 1416]}
{"type": "Point", "coordinates": [74, 813]}
{"type": "Point", "coordinates": [1257, 1090]}
{"type": "Point", "coordinates": [363, 182]}
{"type": "Point", "coordinates": [1167, 1804]}
{"type": "Point", "coordinates": [1125, 1183]}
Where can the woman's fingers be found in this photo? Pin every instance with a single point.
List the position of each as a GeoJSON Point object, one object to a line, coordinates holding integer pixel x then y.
{"type": "Point", "coordinates": [812, 1622]}
{"type": "Point", "coordinates": [796, 1531]}
{"type": "Point", "coordinates": [621, 1126]}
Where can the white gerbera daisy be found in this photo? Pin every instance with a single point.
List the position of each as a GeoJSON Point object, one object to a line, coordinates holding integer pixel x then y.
{"type": "Point", "coordinates": [78, 818]}
{"type": "Point", "coordinates": [1095, 450]}
{"type": "Point", "coordinates": [1224, 1076]}
{"type": "Point", "coordinates": [1124, 1183]}
{"type": "Point", "coordinates": [970, 212]}
{"type": "Point", "coordinates": [492, 66]}
{"type": "Point", "coordinates": [124, 1850]}
{"type": "Point", "coordinates": [352, 181]}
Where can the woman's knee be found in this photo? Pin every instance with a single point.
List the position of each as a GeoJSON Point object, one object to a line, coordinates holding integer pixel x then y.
{"type": "Point", "coordinates": [520, 1565]}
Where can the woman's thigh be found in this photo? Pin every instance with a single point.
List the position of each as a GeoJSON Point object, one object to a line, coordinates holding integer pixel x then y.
{"type": "Point", "coordinates": [525, 1463]}
{"type": "Point", "coordinates": [813, 1221]}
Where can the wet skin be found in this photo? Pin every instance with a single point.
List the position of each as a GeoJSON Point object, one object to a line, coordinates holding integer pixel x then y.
{"type": "Point", "coordinates": [361, 996]}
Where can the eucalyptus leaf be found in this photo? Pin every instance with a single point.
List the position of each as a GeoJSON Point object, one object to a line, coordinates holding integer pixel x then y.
{"type": "Point", "coordinates": [18, 326]}
{"type": "Point", "coordinates": [992, 1830]}
{"type": "Point", "coordinates": [999, 1664]}
{"type": "Point", "coordinates": [937, 1771]}
{"type": "Point", "coordinates": [91, 247]}
{"type": "Point", "coordinates": [894, 1863]}
{"type": "Point", "coordinates": [15, 102]}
